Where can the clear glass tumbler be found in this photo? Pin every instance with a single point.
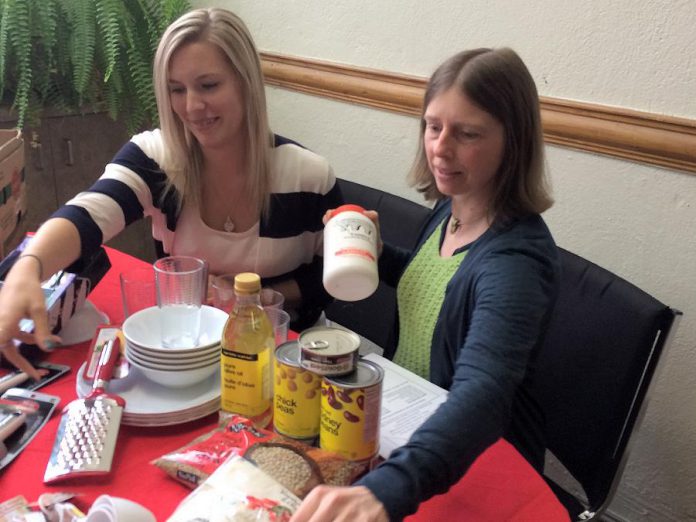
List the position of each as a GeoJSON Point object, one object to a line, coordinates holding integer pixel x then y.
{"type": "Point", "coordinates": [181, 283]}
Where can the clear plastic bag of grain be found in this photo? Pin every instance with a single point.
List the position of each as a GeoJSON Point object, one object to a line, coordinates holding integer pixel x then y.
{"type": "Point", "coordinates": [295, 465]}
{"type": "Point", "coordinates": [237, 491]}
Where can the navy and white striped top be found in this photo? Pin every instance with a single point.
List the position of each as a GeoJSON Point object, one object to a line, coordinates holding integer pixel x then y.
{"type": "Point", "coordinates": [286, 244]}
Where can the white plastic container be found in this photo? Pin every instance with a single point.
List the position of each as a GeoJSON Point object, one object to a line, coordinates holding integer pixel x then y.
{"type": "Point", "coordinates": [350, 254]}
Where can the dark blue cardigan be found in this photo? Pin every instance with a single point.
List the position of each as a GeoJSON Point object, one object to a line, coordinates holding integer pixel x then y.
{"type": "Point", "coordinates": [491, 324]}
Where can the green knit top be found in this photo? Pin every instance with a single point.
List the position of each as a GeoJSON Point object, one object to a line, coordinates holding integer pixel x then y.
{"type": "Point", "coordinates": [419, 294]}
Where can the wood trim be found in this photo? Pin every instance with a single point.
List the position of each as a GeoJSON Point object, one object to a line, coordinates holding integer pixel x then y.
{"type": "Point", "coordinates": [654, 139]}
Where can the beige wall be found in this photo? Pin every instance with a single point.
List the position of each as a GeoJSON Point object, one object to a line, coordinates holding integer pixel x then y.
{"type": "Point", "coordinates": [636, 220]}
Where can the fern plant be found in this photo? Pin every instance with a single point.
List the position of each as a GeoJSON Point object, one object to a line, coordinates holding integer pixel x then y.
{"type": "Point", "coordinates": [75, 55]}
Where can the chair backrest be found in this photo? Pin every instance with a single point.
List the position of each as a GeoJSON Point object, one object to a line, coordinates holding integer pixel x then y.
{"type": "Point", "coordinates": [593, 371]}
{"type": "Point", "coordinates": [400, 221]}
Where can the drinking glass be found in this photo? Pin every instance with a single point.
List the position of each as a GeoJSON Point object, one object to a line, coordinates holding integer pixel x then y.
{"type": "Point", "coordinates": [272, 298]}
{"type": "Point", "coordinates": [181, 283]}
{"type": "Point", "coordinates": [224, 298]}
{"type": "Point", "coordinates": [137, 290]}
{"type": "Point", "coordinates": [280, 320]}
{"type": "Point", "coordinates": [223, 292]}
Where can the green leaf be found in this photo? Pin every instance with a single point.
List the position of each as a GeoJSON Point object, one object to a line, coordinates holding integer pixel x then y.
{"type": "Point", "coordinates": [43, 26]}
{"type": "Point", "coordinates": [20, 39]}
{"type": "Point", "coordinates": [109, 15]}
{"type": "Point", "coordinates": [3, 43]}
{"type": "Point", "coordinates": [81, 17]}
{"type": "Point", "coordinates": [71, 54]}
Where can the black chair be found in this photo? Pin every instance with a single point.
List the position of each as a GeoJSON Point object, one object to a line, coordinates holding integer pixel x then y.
{"type": "Point", "coordinates": [400, 221]}
{"type": "Point", "coordinates": [593, 373]}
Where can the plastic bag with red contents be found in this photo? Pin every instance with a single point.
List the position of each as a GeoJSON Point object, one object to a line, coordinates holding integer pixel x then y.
{"type": "Point", "coordinates": [295, 465]}
{"type": "Point", "coordinates": [237, 491]}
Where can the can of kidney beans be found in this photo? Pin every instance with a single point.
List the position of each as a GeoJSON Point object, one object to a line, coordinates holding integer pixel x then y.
{"type": "Point", "coordinates": [295, 395]}
{"type": "Point", "coordinates": [350, 412]}
{"type": "Point", "coordinates": [329, 351]}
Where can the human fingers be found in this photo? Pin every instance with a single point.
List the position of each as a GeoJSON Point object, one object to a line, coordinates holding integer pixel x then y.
{"type": "Point", "coordinates": [327, 215]}
{"type": "Point", "coordinates": [42, 333]}
{"type": "Point", "coordinates": [9, 349]}
{"type": "Point", "coordinates": [10, 352]}
{"type": "Point", "coordinates": [373, 216]}
{"type": "Point", "coordinates": [308, 506]}
{"type": "Point", "coordinates": [340, 504]}
{"type": "Point", "coordinates": [48, 343]}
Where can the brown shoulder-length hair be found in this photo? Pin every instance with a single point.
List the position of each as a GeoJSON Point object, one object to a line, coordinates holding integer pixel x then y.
{"type": "Point", "coordinates": [497, 81]}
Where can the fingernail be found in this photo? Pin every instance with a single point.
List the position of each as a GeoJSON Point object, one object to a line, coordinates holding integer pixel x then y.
{"type": "Point", "coordinates": [50, 344]}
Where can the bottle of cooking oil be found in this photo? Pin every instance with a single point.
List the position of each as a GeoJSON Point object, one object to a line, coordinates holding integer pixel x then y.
{"type": "Point", "coordinates": [247, 355]}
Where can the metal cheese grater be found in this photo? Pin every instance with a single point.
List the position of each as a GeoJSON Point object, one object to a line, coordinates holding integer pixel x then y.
{"type": "Point", "coordinates": [86, 437]}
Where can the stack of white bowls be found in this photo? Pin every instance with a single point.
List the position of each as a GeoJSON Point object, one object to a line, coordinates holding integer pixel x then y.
{"type": "Point", "coordinates": [171, 366]}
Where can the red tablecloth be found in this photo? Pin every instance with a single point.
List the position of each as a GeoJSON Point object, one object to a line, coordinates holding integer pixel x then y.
{"type": "Point", "coordinates": [500, 486]}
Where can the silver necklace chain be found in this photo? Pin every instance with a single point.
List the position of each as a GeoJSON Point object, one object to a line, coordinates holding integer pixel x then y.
{"type": "Point", "coordinates": [228, 226]}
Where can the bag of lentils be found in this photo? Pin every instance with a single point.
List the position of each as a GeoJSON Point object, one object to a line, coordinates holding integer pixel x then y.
{"type": "Point", "coordinates": [293, 464]}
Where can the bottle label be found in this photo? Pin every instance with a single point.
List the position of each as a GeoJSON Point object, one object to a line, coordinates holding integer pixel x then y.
{"type": "Point", "coordinates": [350, 257]}
{"type": "Point", "coordinates": [357, 252]}
{"type": "Point", "coordinates": [355, 229]}
{"type": "Point", "coordinates": [246, 384]}
{"type": "Point", "coordinates": [351, 237]}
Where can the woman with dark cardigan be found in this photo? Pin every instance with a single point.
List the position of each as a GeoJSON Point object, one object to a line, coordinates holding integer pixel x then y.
{"type": "Point", "coordinates": [475, 295]}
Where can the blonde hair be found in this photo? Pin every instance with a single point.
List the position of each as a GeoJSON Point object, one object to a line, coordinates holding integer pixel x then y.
{"type": "Point", "coordinates": [498, 82]}
{"type": "Point", "coordinates": [226, 30]}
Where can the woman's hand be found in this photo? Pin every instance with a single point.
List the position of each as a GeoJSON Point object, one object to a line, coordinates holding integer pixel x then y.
{"type": "Point", "coordinates": [374, 217]}
{"type": "Point", "coordinates": [340, 504]}
{"type": "Point", "coordinates": [22, 296]}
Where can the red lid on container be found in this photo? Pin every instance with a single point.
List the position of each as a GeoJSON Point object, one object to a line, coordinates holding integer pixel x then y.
{"type": "Point", "coordinates": [347, 208]}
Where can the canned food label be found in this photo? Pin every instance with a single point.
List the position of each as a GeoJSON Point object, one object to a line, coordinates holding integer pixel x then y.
{"type": "Point", "coordinates": [329, 351]}
{"type": "Point", "coordinates": [296, 401]}
{"type": "Point", "coordinates": [349, 423]}
{"type": "Point", "coordinates": [334, 366]}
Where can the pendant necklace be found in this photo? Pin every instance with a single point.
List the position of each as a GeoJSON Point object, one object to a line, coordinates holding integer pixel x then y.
{"type": "Point", "coordinates": [454, 224]}
{"type": "Point", "coordinates": [228, 226]}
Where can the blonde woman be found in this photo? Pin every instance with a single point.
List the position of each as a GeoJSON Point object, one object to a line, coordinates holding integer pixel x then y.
{"type": "Point", "coordinates": [217, 183]}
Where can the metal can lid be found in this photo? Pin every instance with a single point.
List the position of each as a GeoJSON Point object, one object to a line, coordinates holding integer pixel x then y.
{"type": "Point", "coordinates": [288, 353]}
{"type": "Point", "coordinates": [327, 340]}
{"type": "Point", "coordinates": [367, 373]}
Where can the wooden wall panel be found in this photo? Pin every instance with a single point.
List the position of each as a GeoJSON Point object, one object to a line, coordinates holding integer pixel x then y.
{"type": "Point", "coordinates": [631, 135]}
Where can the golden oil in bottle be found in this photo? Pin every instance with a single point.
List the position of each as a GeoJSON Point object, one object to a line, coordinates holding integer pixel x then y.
{"type": "Point", "coordinates": [246, 357]}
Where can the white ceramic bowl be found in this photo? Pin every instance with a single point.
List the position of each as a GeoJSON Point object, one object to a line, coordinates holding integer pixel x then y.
{"type": "Point", "coordinates": [175, 378]}
{"type": "Point", "coordinates": [175, 355]}
{"type": "Point", "coordinates": [154, 358]}
{"type": "Point", "coordinates": [143, 329]}
{"type": "Point", "coordinates": [171, 365]}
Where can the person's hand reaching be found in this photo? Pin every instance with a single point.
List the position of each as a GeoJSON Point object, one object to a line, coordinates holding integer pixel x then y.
{"type": "Point", "coordinates": [22, 296]}
{"type": "Point", "coordinates": [340, 504]}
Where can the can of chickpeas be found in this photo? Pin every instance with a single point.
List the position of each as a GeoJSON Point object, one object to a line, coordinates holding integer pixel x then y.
{"type": "Point", "coordinates": [350, 412]}
{"type": "Point", "coordinates": [329, 351]}
{"type": "Point", "coordinates": [295, 395]}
